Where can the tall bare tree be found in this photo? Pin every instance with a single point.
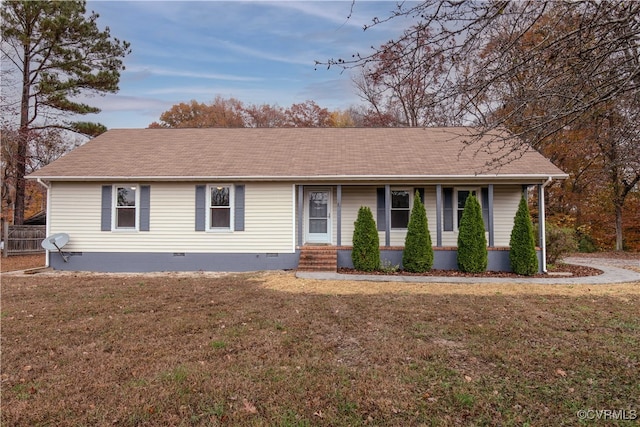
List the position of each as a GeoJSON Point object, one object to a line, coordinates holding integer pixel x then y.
{"type": "Point", "coordinates": [538, 69]}
{"type": "Point", "coordinates": [400, 82]}
{"type": "Point", "coordinates": [60, 54]}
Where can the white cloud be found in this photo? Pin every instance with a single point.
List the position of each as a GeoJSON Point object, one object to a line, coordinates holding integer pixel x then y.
{"type": "Point", "coordinates": [258, 52]}
{"type": "Point", "coordinates": [124, 102]}
{"type": "Point", "coordinates": [160, 71]}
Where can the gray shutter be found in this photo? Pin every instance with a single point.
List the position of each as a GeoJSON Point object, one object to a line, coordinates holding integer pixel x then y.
{"type": "Point", "coordinates": [201, 209]}
{"type": "Point", "coordinates": [105, 220]}
{"type": "Point", "coordinates": [447, 195]}
{"type": "Point", "coordinates": [145, 202]}
{"type": "Point", "coordinates": [380, 210]}
{"type": "Point", "coordinates": [484, 197]}
{"type": "Point", "coordinates": [238, 213]}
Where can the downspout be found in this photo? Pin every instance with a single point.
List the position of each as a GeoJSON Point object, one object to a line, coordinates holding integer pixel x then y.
{"type": "Point", "coordinates": [47, 227]}
{"type": "Point", "coordinates": [542, 220]}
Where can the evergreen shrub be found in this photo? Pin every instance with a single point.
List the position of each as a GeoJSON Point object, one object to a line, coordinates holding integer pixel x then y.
{"type": "Point", "coordinates": [366, 243]}
{"type": "Point", "coordinates": [522, 252]}
{"type": "Point", "coordinates": [473, 255]}
{"type": "Point", "coordinates": [417, 256]}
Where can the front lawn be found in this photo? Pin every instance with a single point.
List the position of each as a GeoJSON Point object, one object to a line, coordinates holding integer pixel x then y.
{"type": "Point", "coordinates": [272, 350]}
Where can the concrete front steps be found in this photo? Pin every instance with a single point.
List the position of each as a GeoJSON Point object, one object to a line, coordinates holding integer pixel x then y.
{"type": "Point", "coordinates": [318, 258]}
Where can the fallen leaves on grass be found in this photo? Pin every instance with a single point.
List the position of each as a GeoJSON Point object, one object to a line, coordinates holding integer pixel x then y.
{"type": "Point", "coordinates": [354, 353]}
{"type": "Point", "coordinates": [561, 372]}
{"type": "Point", "coordinates": [286, 282]}
{"type": "Point", "coordinates": [22, 262]}
{"type": "Point", "coordinates": [249, 407]}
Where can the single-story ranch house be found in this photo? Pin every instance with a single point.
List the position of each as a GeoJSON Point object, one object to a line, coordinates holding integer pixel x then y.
{"type": "Point", "coordinates": [219, 199]}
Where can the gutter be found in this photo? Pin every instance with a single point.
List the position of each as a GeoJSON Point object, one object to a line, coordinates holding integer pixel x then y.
{"type": "Point", "coordinates": [542, 220]}
{"type": "Point", "coordinates": [47, 226]}
{"type": "Point", "coordinates": [313, 178]}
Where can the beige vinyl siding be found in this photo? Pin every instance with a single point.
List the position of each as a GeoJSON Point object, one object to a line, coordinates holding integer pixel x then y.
{"type": "Point", "coordinates": [430, 207]}
{"type": "Point", "coordinates": [505, 206]}
{"type": "Point", "coordinates": [352, 198]}
{"type": "Point", "coordinates": [269, 220]}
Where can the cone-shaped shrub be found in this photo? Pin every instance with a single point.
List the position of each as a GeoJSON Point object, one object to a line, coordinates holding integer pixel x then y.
{"type": "Point", "coordinates": [366, 244]}
{"type": "Point", "coordinates": [417, 256]}
{"type": "Point", "coordinates": [472, 243]}
{"type": "Point", "coordinates": [522, 254]}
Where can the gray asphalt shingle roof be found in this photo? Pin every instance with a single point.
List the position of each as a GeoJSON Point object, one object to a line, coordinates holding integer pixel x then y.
{"type": "Point", "coordinates": [291, 153]}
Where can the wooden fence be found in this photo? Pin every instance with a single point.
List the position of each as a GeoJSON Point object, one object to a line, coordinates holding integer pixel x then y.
{"type": "Point", "coordinates": [22, 239]}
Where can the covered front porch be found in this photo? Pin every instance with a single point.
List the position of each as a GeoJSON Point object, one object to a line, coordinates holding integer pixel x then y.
{"type": "Point", "coordinates": [325, 214]}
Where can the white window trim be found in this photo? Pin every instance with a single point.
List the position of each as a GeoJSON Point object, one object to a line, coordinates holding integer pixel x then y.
{"type": "Point", "coordinates": [231, 209]}
{"type": "Point", "coordinates": [411, 192]}
{"type": "Point", "coordinates": [478, 191]}
{"type": "Point", "coordinates": [114, 209]}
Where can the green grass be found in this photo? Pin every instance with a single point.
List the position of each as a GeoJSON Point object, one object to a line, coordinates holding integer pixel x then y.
{"type": "Point", "coordinates": [218, 345]}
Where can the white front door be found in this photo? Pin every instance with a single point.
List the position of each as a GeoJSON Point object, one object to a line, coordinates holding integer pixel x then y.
{"type": "Point", "coordinates": [318, 214]}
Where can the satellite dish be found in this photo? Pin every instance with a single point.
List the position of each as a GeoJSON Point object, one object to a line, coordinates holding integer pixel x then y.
{"type": "Point", "coordinates": [56, 242]}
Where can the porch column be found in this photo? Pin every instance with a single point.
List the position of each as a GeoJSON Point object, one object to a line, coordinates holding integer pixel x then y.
{"type": "Point", "coordinates": [541, 223]}
{"type": "Point", "coordinates": [339, 215]}
{"type": "Point", "coordinates": [490, 219]}
{"type": "Point", "coordinates": [387, 214]}
{"type": "Point", "coordinates": [300, 213]}
{"type": "Point", "coordinates": [439, 215]}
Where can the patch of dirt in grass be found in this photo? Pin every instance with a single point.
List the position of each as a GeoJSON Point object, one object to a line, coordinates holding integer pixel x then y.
{"type": "Point", "coordinates": [202, 350]}
{"type": "Point", "coordinates": [22, 262]}
{"type": "Point", "coordinates": [286, 282]}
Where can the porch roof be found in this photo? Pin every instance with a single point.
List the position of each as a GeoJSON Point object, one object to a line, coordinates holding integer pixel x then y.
{"type": "Point", "coordinates": [300, 154]}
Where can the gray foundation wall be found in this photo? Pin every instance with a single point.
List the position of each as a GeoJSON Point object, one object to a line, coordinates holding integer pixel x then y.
{"type": "Point", "coordinates": [498, 260]}
{"type": "Point", "coordinates": [152, 262]}
{"type": "Point", "coordinates": [110, 262]}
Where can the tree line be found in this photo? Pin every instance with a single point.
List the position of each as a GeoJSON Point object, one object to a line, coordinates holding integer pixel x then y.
{"type": "Point", "coordinates": [562, 77]}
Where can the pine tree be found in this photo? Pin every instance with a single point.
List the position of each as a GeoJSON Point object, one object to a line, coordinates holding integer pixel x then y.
{"type": "Point", "coordinates": [60, 54]}
{"type": "Point", "coordinates": [472, 242]}
{"type": "Point", "coordinates": [417, 256]}
{"type": "Point", "coordinates": [366, 243]}
{"type": "Point", "coordinates": [522, 254]}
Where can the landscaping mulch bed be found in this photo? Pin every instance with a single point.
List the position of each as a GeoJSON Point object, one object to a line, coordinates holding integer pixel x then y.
{"type": "Point", "coordinates": [570, 269]}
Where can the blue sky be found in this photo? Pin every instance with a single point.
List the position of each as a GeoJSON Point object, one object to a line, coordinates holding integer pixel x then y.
{"type": "Point", "coordinates": [258, 52]}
